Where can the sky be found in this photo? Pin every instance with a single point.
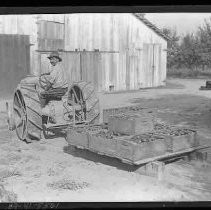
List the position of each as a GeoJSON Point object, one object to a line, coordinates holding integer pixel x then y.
{"type": "Point", "coordinates": [183, 22]}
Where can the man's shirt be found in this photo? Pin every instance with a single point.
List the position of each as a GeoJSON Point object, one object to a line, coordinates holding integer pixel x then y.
{"type": "Point", "coordinates": [57, 77]}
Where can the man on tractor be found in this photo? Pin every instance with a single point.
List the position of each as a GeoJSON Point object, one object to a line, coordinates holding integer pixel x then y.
{"type": "Point", "coordinates": [53, 84]}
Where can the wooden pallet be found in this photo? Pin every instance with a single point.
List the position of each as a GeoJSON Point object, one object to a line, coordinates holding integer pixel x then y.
{"type": "Point", "coordinates": [169, 155]}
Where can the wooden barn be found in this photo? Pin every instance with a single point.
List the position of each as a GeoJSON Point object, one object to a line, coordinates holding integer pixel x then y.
{"type": "Point", "coordinates": [114, 51]}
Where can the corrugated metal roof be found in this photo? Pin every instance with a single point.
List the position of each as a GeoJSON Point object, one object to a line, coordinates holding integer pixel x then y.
{"type": "Point", "coordinates": [152, 26]}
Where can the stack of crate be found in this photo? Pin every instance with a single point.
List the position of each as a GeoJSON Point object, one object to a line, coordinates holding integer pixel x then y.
{"type": "Point", "coordinates": [132, 137]}
{"type": "Point", "coordinates": [132, 124]}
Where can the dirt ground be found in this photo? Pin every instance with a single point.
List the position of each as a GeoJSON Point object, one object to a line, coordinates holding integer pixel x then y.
{"type": "Point", "coordinates": [49, 170]}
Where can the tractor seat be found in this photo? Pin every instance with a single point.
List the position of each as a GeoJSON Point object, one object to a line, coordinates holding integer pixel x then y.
{"type": "Point", "coordinates": [54, 93]}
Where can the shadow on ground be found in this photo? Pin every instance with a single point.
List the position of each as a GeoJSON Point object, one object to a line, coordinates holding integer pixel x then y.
{"type": "Point", "coordinates": [57, 133]}
{"type": "Point", "coordinates": [102, 159]}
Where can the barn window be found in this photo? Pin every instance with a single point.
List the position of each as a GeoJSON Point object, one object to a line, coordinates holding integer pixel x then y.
{"type": "Point", "coordinates": [50, 35]}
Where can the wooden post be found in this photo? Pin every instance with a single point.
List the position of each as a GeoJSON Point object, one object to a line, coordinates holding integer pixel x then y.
{"type": "Point", "coordinates": [73, 99]}
{"type": "Point", "coordinates": [155, 169]}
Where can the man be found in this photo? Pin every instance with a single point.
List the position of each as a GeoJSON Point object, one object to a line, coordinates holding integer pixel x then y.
{"type": "Point", "coordinates": [54, 81]}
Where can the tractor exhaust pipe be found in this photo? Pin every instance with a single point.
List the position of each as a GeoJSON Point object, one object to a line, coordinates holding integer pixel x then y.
{"type": "Point", "coordinates": [10, 116]}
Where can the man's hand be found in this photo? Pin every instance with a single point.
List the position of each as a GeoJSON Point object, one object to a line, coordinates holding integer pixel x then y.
{"type": "Point", "coordinates": [48, 86]}
{"type": "Point", "coordinates": [44, 83]}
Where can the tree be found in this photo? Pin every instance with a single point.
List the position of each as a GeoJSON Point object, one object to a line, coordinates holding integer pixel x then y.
{"type": "Point", "coordinates": [189, 51]}
{"type": "Point", "coordinates": [204, 36]}
{"type": "Point", "coordinates": [172, 45]}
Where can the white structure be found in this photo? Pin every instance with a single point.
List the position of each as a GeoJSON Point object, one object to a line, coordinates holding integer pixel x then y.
{"type": "Point", "coordinates": [115, 51]}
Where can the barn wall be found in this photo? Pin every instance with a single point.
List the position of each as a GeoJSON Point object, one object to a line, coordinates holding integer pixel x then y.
{"type": "Point", "coordinates": [91, 31]}
{"type": "Point", "coordinates": [120, 38]}
{"type": "Point", "coordinates": [14, 61]}
{"type": "Point", "coordinates": [134, 35]}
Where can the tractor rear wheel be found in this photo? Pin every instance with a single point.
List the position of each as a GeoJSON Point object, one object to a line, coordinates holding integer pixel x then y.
{"type": "Point", "coordinates": [27, 114]}
{"type": "Point", "coordinates": [82, 97]}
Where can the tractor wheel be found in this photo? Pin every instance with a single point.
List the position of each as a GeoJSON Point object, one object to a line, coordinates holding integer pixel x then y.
{"type": "Point", "coordinates": [27, 114]}
{"type": "Point", "coordinates": [82, 94]}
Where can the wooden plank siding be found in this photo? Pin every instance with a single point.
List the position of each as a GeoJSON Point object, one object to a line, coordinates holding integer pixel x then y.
{"type": "Point", "coordinates": [72, 65]}
{"type": "Point", "coordinates": [90, 67]}
{"type": "Point", "coordinates": [14, 60]}
{"type": "Point", "coordinates": [91, 31]}
{"type": "Point", "coordinates": [50, 35]}
{"type": "Point", "coordinates": [23, 25]}
{"type": "Point", "coordinates": [131, 66]}
{"type": "Point", "coordinates": [157, 64]}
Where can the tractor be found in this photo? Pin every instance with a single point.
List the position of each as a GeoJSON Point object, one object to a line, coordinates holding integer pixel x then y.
{"type": "Point", "coordinates": [79, 105]}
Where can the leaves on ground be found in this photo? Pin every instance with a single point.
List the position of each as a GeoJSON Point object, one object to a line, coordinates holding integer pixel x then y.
{"type": "Point", "coordinates": [6, 173]}
{"type": "Point", "coordinates": [7, 196]}
{"type": "Point", "coordinates": [68, 184]}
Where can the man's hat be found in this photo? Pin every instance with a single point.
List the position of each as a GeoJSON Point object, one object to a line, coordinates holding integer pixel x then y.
{"type": "Point", "coordinates": [54, 54]}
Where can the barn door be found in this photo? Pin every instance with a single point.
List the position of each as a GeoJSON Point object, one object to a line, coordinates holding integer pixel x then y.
{"type": "Point", "coordinates": [90, 67]}
{"type": "Point", "coordinates": [133, 80]}
{"type": "Point", "coordinates": [127, 78]}
{"type": "Point", "coordinates": [152, 60]}
{"type": "Point", "coordinates": [14, 61]}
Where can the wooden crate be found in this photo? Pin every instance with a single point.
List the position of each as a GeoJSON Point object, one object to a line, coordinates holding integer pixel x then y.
{"type": "Point", "coordinates": [102, 145]}
{"type": "Point", "coordinates": [177, 143]}
{"type": "Point", "coordinates": [132, 124]}
{"type": "Point", "coordinates": [76, 138]}
{"type": "Point", "coordinates": [112, 111]}
{"type": "Point", "coordinates": [133, 152]}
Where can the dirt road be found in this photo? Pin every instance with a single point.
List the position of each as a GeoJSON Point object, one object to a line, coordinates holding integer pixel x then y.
{"type": "Point", "coordinates": [50, 170]}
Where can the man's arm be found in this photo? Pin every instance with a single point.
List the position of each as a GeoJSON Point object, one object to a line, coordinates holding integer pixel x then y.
{"type": "Point", "coordinates": [47, 80]}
